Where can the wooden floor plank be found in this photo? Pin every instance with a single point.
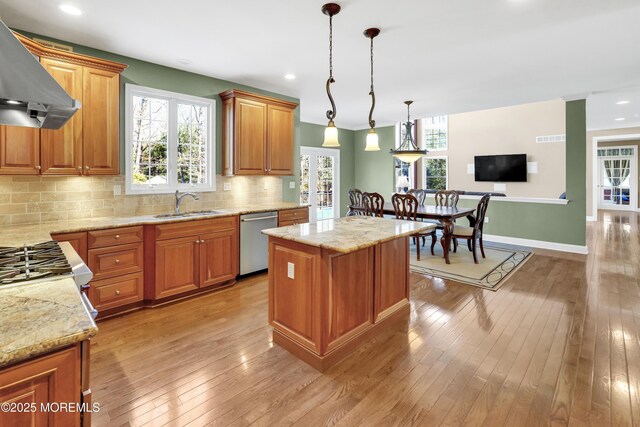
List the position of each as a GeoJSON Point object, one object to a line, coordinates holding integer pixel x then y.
{"type": "Point", "coordinates": [559, 343]}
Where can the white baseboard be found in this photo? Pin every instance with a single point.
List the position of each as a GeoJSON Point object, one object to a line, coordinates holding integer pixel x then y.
{"type": "Point", "coordinates": [591, 219]}
{"type": "Point", "coordinates": [563, 247]}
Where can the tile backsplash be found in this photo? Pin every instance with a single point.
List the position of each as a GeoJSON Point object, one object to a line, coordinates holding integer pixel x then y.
{"type": "Point", "coordinates": [33, 199]}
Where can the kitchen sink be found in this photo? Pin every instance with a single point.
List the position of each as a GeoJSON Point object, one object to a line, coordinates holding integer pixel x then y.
{"type": "Point", "coordinates": [189, 214]}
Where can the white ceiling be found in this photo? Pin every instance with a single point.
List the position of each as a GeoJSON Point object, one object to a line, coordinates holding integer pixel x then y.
{"type": "Point", "coordinates": [604, 112]}
{"type": "Point", "coordinates": [448, 56]}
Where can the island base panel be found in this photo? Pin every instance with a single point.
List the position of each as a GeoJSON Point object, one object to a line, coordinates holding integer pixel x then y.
{"type": "Point", "coordinates": [324, 363]}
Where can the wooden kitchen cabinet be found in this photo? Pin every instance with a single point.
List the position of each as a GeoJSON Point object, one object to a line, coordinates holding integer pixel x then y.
{"type": "Point", "coordinates": [77, 240]}
{"type": "Point", "coordinates": [257, 134]}
{"type": "Point", "coordinates": [191, 255]}
{"type": "Point", "coordinates": [89, 143]}
{"type": "Point", "coordinates": [47, 379]}
{"type": "Point", "coordinates": [293, 216]}
{"type": "Point", "coordinates": [19, 150]}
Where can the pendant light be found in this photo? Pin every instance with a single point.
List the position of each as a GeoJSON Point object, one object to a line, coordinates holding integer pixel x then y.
{"type": "Point", "coordinates": [372, 136]}
{"type": "Point", "coordinates": [331, 131]}
{"type": "Point", "coordinates": [408, 151]}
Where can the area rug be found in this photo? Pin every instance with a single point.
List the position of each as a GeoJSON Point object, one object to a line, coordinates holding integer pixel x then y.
{"type": "Point", "coordinates": [490, 272]}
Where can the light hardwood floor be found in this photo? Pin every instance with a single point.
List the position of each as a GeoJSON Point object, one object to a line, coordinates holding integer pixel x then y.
{"type": "Point", "coordinates": [558, 344]}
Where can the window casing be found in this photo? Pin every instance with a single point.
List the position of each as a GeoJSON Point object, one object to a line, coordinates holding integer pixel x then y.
{"type": "Point", "coordinates": [170, 141]}
{"type": "Point", "coordinates": [436, 173]}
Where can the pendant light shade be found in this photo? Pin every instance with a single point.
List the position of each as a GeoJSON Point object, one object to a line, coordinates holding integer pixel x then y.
{"type": "Point", "coordinates": [408, 151]}
{"type": "Point", "coordinates": [372, 141]}
{"type": "Point", "coordinates": [331, 132]}
{"type": "Point", "coordinates": [372, 136]}
{"type": "Point", "coordinates": [331, 136]}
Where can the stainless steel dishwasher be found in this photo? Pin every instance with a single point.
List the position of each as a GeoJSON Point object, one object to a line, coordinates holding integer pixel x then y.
{"type": "Point", "coordinates": [254, 246]}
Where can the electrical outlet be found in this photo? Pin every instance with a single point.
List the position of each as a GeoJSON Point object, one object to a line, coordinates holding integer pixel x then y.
{"type": "Point", "coordinates": [227, 186]}
{"type": "Point", "coordinates": [486, 219]}
{"type": "Point", "coordinates": [292, 184]}
{"type": "Point", "coordinates": [117, 190]}
{"type": "Point", "coordinates": [291, 270]}
{"type": "Point", "coordinates": [266, 185]}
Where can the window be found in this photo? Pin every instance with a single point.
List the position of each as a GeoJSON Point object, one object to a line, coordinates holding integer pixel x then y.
{"type": "Point", "coordinates": [435, 173]}
{"type": "Point", "coordinates": [169, 141]}
{"type": "Point", "coordinates": [435, 133]}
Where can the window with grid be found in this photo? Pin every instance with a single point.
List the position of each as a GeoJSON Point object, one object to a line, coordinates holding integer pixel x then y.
{"type": "Point", "coordinates": [169, 140]}
{"type": "Point", "coordinates": [435, 135]}
{"type": "Point", "coordinates": [435, 173]}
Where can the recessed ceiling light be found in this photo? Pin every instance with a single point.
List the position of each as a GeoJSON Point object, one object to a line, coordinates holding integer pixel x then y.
{"type": "Point", "coordinates": [290, 76]}
{"type": "Point", "coordinates": [11, 101]}
{"type": "Point", "coordinates": [184, 61]}
{"type": "Point", "coordinates": [622, 102]}
{"type": "Point", "coordinates": [71, 10]}
{"type": "Point", "coordinates": [619, 119]}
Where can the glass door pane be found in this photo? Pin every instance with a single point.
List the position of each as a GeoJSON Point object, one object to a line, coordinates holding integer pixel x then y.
{"type": "Point", "coordinates": [324, 190]}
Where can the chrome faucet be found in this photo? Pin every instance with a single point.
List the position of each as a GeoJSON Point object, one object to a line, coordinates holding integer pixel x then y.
{"type": "Point", "coordinates": [179, 198]}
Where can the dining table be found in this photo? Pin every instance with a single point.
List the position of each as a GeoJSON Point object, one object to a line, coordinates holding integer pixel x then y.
{"type": "Point", "coordinates": [446, 215]}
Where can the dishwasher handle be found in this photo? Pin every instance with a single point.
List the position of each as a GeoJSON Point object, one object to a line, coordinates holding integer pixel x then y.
{"type": "Point", "coordinates": [262, 218]}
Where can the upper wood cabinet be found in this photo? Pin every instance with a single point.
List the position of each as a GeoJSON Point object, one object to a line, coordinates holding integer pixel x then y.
{"type": "Point", "coordinates": [257, 134]}
{"type": "Point", "coordinates": [19, 150]}
{"type": "Point", "coordinates": [89, 143]}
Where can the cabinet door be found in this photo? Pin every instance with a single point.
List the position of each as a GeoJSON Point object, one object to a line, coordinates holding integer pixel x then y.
{"type": "Point", "coordinates": [280, 141]}
{"type": "Point", "coordinates": [176, 266]}
{"type": "Point", "coordinates": [47, 379]}
{"type": "Point", "coordinates": [101, 136]}
{"type": "Point", "coordinates": [19, 150]}
{"type": "Point", "coordinates": [77, 240]}
{"type": "Point", "coordinates": [218, 257]}
{"type": "Point", "coordinates": [251, 137]}
{"type": "Point", "coordinates": [62, 148]}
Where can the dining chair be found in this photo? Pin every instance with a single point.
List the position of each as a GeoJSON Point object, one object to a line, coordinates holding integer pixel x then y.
{"type": "Point", "coordinates": [471, 234]}
{"type": "Point", "coordinates": [418, 194]}
{"type": "Point", "coordinates": [373, 204]}
{"type": "Point", "coordinates": [405, 207]}
{"type": "Point", "coordinates": [356, 204]}
{"type": "Point", "coordinates": [449, 199]}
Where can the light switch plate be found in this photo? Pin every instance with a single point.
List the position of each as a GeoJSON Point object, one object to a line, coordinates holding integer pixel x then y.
{"type": "Point", "coordinates": [291, 270]}
{"type": "Point", "coordinates": [117, 190]}
{"type": "Point", "coordinates": [486, 219]}
{"type": "Point", "coordinates": [292, 184]}
{"type": "Point", "coordinates": [227, 186]}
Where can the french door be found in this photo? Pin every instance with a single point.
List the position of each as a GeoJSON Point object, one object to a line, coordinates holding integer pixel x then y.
{"type": "Point", "coordinates": [320, 182]}
{"type": "Point", "coordinates": [617, 179]}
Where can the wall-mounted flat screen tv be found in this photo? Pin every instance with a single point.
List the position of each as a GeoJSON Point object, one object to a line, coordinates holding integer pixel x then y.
{"type": "Point", "coordinates": [501, 168]}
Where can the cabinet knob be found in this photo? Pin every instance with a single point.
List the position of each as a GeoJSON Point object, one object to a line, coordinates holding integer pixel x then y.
{"type": "Point", "coordinates": [79, 169]}
{"type": "Point", "coordinates": [117, 261]}
{"type": "Point", "coordinates": [87, 167]}
{"type": "Point", "coordinates": [197, 241]}
{"type": "Point", "coordinates": [117, 292]}
{"type": "Point", "coordinates": [117, 236]}
{"type": "Point", "coordinates": [38, 167]}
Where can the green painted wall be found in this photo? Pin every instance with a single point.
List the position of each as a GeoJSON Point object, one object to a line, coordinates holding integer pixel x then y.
{"type": "Point", "coordinates": [160, 77]}
{"type": "Point", "coordinates": [312, 135]}
{"type": "Point", "coordinates": [374, 169]}
{"type": "Point", "coordinates": [551, 223]}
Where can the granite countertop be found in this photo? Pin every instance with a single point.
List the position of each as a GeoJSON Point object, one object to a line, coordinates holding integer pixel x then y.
{"type": "Point", "coordinates": [39, 318]}
{"type": "Point", "coordinates": [18, 235]}
{"type": "Point", "coordinates": [349, 234]}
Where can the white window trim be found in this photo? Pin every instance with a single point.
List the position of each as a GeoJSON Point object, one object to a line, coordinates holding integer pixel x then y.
{"type": "Point", "coordinates": [424, 170]}
{"type": "Point", "coordinates": [317, 151]}
{"type": "Point", "coordinates": [131, 90]}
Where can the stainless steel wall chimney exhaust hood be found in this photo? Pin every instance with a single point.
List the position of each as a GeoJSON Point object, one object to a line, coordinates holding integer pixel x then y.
{"type": "Point", "coordinates": [29, 96]}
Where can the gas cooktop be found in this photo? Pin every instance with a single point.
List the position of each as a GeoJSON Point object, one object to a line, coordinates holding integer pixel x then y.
{"type": "Point", "coordinates": [28, 263]}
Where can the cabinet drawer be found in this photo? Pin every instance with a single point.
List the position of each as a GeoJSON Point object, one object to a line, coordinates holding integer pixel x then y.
{"type": "Point", "coordinates": [300, 215]}
{"type": "Point", "coordinates": [116, 260]}
{"type": "Point", "coordinates": [194, 228]}
{"type": "Point", "coordinates": [114, 236]}
{"type": "Point", "coordinates": [116, 291]}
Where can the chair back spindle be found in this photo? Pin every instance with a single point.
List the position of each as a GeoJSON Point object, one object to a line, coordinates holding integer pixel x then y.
{"type": "Point", "coordinates": [447, 198]}
{"type": "Point", "coordinates": [420, 195]}
{"type": "Point", "coordinates": [373, 204]}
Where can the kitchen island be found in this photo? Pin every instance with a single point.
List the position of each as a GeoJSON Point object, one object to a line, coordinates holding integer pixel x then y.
{"type": "Point", "coordinates": [335, 284]}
